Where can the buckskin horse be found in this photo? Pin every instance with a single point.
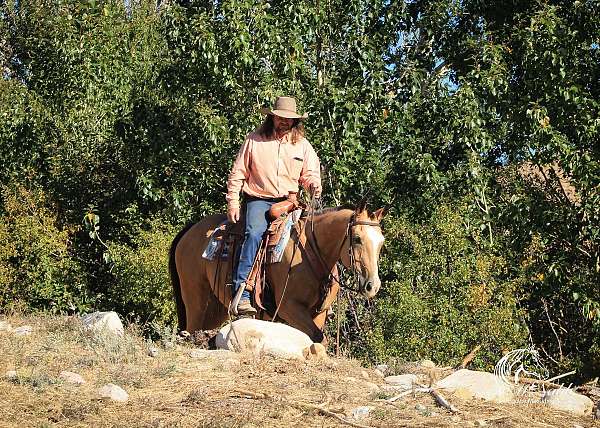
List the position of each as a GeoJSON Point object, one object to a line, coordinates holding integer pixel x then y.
{"type": "Point", "coordinates": [351, 236]}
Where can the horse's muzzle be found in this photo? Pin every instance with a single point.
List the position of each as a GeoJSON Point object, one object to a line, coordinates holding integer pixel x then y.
{"type": "Point", "coordinates": [369, 286]}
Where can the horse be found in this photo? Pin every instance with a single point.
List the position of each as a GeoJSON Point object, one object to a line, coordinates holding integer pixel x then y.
{"type": "Point", "coordinates": [351, 236]}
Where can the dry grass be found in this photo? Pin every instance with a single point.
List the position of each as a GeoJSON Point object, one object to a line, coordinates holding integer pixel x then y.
{"type": "Point", "coordinates": [218, 390]}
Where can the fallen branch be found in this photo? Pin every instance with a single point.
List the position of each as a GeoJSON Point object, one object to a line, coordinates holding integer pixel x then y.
{"type": "Point", "coordinates": [439, 398]}
{"type": "Point", "coordinates": [469, 357]}
{"type": "Point", "coordinates": [405, 393]}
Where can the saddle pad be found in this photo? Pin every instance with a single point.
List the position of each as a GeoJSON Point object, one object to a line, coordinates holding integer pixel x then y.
{"type": "Point", "coordinates": [276, 253]}
{"type": "Point", "coordinates": [215, 242]}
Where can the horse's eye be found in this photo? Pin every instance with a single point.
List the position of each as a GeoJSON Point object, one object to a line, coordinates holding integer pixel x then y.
{"type": "Point", "coordinates": [356, 240]}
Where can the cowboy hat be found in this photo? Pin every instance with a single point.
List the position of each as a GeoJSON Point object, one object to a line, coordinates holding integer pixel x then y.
{"type": "Point", "coordinates": [284, 107]}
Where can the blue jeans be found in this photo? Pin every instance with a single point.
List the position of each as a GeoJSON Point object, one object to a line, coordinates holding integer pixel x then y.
{"type": "Point", "coordinates": [256, 225]}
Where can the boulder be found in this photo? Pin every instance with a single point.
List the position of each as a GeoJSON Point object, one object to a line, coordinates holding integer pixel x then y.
{"type": "Point", "coordinates": [71, 377]}
{"type": "Point", "coordinates": [108, 322]}
{"type": "Point", "coordinates": [24, 330]}
{"type": "Point", "coordinates": [11, 375]}
{"type": "Point", "coordinates": [402, 382]}
{"type": "Point", "coordinates": [569, 401]}
{"type": "Point", "coordinates": [481, 384]}
{"type": "Point", "coordinates": [264, 338]}
{"type": "Point", "coordinates": [113, 392]}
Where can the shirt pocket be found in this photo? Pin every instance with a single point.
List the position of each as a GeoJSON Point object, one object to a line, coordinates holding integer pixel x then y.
{"type": "Point", "coordinates": [296, 163]}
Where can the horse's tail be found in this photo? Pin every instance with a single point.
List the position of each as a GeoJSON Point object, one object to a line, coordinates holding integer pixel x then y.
{"type": "Point", "coordinates": [181, 316]}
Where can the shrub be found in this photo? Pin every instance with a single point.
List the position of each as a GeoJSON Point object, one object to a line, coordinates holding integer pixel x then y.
{"type": "Point", "coordinates": [443, 294]}
{"type": "Point", "coordinates": [142, 287]}
{"type": "Point", "coordinates": [37, 269]}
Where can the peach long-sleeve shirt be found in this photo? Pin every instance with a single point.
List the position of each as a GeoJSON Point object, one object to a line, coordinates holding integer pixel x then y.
{"type": "Point", "coordinates": [271, 168]}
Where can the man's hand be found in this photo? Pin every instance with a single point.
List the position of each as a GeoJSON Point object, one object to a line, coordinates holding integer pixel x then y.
{"type": "Point", "coordinates": [233, 214]}
{"type": "Point", "coordinates": [315, 190]}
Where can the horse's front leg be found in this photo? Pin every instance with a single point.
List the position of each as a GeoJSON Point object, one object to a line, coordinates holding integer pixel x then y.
{"type": "Point", "coordinates": [299, 316]}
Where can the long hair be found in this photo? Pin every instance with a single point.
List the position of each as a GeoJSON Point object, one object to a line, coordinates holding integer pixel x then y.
{"type": "Point", "coordinates": [267, 129]}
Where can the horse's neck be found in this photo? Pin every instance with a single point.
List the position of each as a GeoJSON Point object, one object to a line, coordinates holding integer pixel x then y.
{"type": "Point", "coordinates": [330, 232]}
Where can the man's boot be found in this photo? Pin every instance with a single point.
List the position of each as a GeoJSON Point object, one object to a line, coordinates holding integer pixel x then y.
{"type": "Point", "coordinates": [245, 308]}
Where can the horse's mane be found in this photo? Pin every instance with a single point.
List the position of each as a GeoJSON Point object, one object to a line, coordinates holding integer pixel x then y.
{"type": "Point", "coordinates": [333, 209]}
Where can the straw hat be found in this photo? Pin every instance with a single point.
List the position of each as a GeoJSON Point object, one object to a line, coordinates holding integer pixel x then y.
{"type": "Point", "coordinates": [284, 107]}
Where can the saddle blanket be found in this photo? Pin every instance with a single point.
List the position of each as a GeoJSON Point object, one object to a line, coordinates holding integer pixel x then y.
{"type": "Point", "coordinates": [216, 241]}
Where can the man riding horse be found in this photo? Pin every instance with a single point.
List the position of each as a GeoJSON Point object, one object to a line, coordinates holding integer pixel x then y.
{"type": "Point", "coordinates": [272, 162]}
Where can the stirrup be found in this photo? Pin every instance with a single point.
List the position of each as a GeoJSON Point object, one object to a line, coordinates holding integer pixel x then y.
{"type": "Point", "coordinates": [236, 300]}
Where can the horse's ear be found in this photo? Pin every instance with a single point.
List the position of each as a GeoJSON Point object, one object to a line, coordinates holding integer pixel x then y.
{"type": "Point", "coordinates": [380, 213]}
{"type": "Point", "coordinates": [362, 205]}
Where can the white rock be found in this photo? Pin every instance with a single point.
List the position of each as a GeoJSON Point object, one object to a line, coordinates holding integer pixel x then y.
{"type": "Point", "coordinates": [103, 321]}
{"type": "Point", "coordinates": [152, 352]}
{"type": "Point", "coordinates": [219, 354]}
{"type": "Point", "coordinates": [11, 375]}
{"type": "Point", "coordinates": [361, 412]}
{"type": "Point", "coordinates": [568, 400]}
{"type": "Point", "coordinates": [5, 326]}
{"type": "Point", "coordinates": [263, 338]}
{"type": "Point", "coordinates": [71, 377]}
{"type": "Point", "coordinates": [427, 364]}
{"type": "Point", "coordinates": [480, 384]}
{"type": "Point", "coordinates": [378, 373]}
{"type": "Point", "coordinates": [405, 381]}
{"type": "Point", "coordinates": [24, 330]}
{"type": "Point", "coordinates": [383, 368]}
{"type": "Point", "coordinates": [113, 392]}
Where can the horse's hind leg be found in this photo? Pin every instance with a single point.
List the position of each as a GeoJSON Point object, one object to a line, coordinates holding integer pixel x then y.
{"type": "Point", "coordinates": [195, 295]}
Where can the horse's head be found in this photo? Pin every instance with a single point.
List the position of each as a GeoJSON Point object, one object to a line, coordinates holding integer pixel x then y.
{"type": "Point", "coordinates": [362, 249]}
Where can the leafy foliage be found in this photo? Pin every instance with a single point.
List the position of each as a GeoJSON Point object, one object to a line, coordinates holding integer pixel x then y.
{"type": "Point", "coordinates": [130, 114]}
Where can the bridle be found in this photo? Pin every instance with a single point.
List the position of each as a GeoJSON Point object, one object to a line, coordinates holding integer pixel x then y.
{"type": "Point", "coordinates": [349, 235]}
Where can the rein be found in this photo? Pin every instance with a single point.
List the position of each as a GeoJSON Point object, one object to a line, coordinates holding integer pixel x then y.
{"type": "Point", "coordinates": [349, 233]}
{"type": "Point", "coordinates": [317, 250]}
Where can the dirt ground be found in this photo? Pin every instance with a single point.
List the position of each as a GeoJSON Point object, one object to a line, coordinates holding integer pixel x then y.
{"type": "Point", "coordinates": [214, 388]}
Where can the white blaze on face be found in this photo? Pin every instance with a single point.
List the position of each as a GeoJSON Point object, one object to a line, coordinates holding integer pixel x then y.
{"type": "Point", "coordinates": [376, 239]}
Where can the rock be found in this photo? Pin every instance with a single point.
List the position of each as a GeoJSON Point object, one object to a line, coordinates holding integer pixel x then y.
{"type": "Point", "coordinates": [567, 400]}
{"type": "Point", "coordinates": [152, 352]}
{"type": "Point", "coordinates": [168, 344]}
{"type": "Point", "coordinates": [361, 412]}
{"type": "Point", "coordinates": [220, 354]}
{"type": "Point", "coordinates": [263, 338]}
{"type": "Point", "coordinates": [24, 330]}
{"type": "Point", "coordinates": [372, 387]}
{"type": "Point", "coordinates": [71, 377]}
{"type": "Point", "coordinates": [103, 321]}
{"type": "Point", "coordinates": [113, 392]}
{"type": "Point", "coordinates": [481, 384]}
{"type": "Point", "coordinates": [5, 326]}
{"type": "Point", "coordinates": [316, 351]}
{"type": "Point", "coordinates": [379, 373]}
{"type": "Point", "coordinates": [11, 375]}
{"type": "Point", "coordinates": [427, 364]}
{"type": "Point", "coordinates": [481, 423]}
{"type": "Point", "coordinates": [422, 409]}
{"type": "Point", "coordinates": [405, 381]}
{"type": "Point", "coordinates": [383, 368]}
{"type": "Point", "coordinates": [364, 374]}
